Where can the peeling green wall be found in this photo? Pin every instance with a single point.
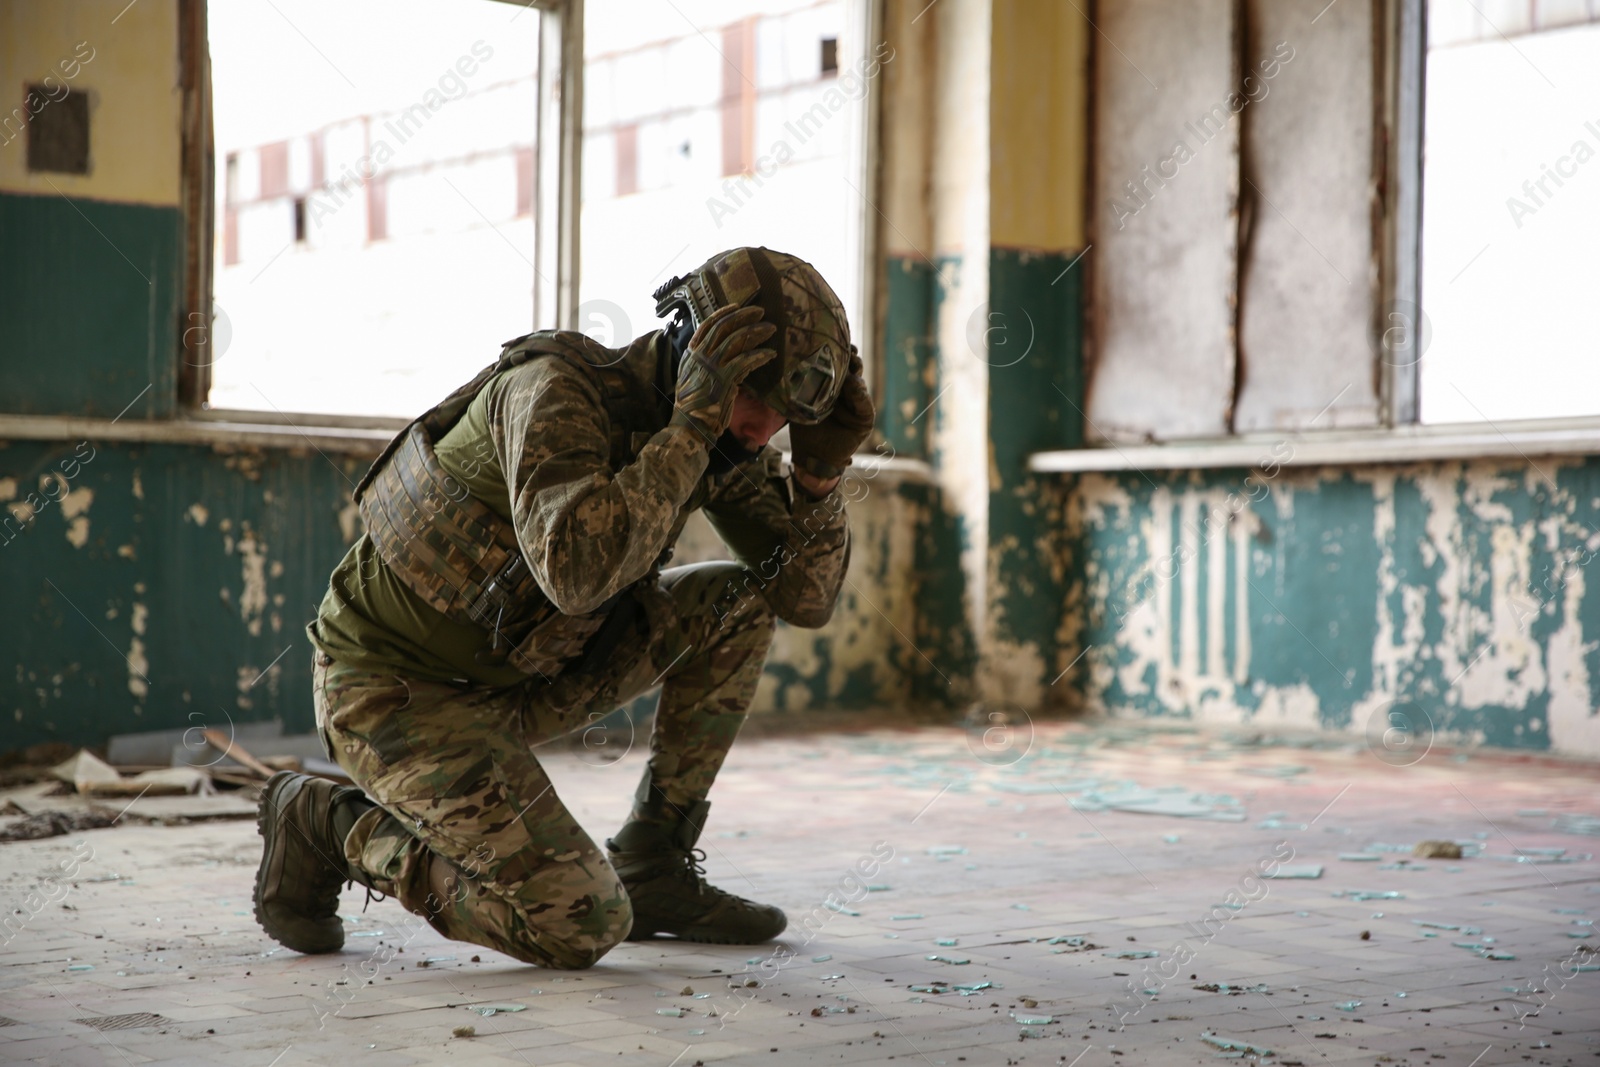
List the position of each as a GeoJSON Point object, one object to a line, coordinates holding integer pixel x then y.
{"type": "Point", "coordinates": [1035, 385]}
{"type": "Point", "coordinates": [936, 648]}
{"type": "Point", "coordinates": [169, 586]}
{"type": "Point", "coordinates": [1460, 590]}
{"type": "Point", "coordinates": [166, 586]}
{"type": "Point", "coordinates": [909, 354]}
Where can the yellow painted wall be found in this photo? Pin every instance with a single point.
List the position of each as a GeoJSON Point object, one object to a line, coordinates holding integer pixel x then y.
{"type": "Point", "coordinates": [135, 103]}
{"type": "Point", "coordinates": [959, 169]}
{"type": "Point", "coordinates": [1038, 125]}
{"type": "Point", "coordinates": [906, 129]}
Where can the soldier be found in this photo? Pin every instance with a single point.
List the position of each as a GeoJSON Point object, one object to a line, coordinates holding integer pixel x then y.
{"type": "Point", "coordinates": [510, 586]}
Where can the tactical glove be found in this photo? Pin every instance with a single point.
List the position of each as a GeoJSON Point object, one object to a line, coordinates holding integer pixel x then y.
{"type": "Point", "coordinates": [824, 450]}
{"type": "Point", "coordinates": [721, 353]}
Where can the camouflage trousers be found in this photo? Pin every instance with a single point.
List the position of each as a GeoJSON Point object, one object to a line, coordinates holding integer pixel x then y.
{"type": "Point", "coordinates": [469, 832]}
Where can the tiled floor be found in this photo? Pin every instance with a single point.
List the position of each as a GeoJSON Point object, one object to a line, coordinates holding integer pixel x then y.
{"type": "Point", "coordinates": [1006, 855]}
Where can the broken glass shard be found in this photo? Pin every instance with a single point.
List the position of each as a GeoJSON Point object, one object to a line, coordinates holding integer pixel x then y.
{"type": "Point", "coordinates": [1231, 1045]}
{"type": "Point", "coordinates": [1303, 870]}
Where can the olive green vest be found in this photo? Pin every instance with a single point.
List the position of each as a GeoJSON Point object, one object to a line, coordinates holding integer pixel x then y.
{"type": "Point", "coordinates": [459, 555]}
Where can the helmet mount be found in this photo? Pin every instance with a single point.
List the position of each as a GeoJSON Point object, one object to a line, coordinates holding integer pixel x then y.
{"type": "Point", "coordinates": [813, 339]}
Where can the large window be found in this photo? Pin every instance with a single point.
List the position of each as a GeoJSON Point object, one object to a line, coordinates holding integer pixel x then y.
{"type": "Point", "coordinates": [710, 124]}
{"type": "Point", "coordinates": [378, 180]}
{"type": "Point", "coordinates": [1511, 210]}
{"type": "Point", "coordinates": [375, 170]}
{"type": "Point", "coordinates": [1256, 261]}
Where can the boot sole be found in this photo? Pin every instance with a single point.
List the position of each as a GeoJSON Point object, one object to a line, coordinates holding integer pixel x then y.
{"type": "Point", "coordinates": [268, 829]}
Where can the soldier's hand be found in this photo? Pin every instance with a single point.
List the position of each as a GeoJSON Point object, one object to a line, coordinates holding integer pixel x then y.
{"type": "Point", "coordinates": [824, 450]}
{"type": "Point", "coordinates": [721, 353]}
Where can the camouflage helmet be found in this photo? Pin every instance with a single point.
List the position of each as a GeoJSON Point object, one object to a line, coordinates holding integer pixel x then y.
{"type": "Point", "coordinates": [813, 338]}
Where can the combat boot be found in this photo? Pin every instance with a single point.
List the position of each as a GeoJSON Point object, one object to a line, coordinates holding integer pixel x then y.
{"type": "Point", "coordinates": [303, 821]}
{"type": "Point", "coordinates": [656, 859]}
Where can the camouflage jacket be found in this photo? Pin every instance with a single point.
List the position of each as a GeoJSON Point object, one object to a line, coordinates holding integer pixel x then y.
{"type": "Point", "coordinates": [597, 487]}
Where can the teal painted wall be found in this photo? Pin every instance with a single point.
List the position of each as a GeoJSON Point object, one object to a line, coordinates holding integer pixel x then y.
{"type": "Point", "coordinates": [89, 306]}
{"type": "Point", "coordinates": [169, 589]}
{"type": "Point", "coordinates": [938, 651]}
{"type": "Point", "coordinates": [910, 354]}
{"type": "Point", "coordinates": [944, 660]}
{"type": "Point", "coordinates": [1459, 593]}
{"type": "Point", "coordinates": [1035, 357]}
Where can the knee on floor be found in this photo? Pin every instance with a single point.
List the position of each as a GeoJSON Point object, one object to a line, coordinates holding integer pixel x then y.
{"type": "Point", "coordinates": [578, 938]}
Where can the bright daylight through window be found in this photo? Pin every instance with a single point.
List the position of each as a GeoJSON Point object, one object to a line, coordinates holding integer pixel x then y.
{"type": "Point", "coordinates": [753, 138]}
{"type": "Point", "coordinates": [374, 223]}
{"type": "Point", "coordinates": [1511, 207]}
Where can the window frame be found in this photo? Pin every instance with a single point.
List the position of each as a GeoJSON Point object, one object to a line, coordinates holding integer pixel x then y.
{"type": "Point", "coordinates": [1399, 436]}
{"type": "Point", "coordinates": [863, 21]}
{"type": "Point", "coordinates": [557, 182]}
{"type": "Point", "coordinates": [558, 186]}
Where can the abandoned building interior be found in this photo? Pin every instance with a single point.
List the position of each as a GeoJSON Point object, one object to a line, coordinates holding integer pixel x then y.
{"type": "Point", "coordinates": [1209, 669]}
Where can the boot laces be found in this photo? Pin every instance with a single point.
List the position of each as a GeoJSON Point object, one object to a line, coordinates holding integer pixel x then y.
{"type": "Point", "coordinates": [694, 869]}
{"type": "Point", "coordinates": [372, 895]}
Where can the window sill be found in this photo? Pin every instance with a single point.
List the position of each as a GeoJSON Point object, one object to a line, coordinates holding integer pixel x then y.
{"type": "Point", "coordinates": [217, 430]}
{"type": "Point", "coordinates": [348, 435]}
{"type": "Point", "coordinates": [1408, 444]}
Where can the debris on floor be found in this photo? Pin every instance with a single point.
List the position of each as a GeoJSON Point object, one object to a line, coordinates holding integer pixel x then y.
{"type": "Point", "coordinates": [84, 769]}
{"type": "Point", "coordinates": [1296, 870]}
{"type": "Point", "coordinates": [1574, 823]}
{"type": "Point", "coordinates": [51, 824]}
{"type": "Point", "coordinates": [1170, 931]}
{"type": "Point", "coordinates": [1231, 1045]}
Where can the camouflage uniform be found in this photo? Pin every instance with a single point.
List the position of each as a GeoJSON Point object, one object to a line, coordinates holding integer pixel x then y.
{"type": "Point", "coordinates": [434, 714]}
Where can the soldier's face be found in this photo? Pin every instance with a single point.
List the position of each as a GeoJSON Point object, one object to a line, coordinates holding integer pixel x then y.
{"type": "Point", "coordinates": [753, 422]}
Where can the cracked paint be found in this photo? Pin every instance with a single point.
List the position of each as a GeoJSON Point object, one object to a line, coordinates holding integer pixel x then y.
{"type": "Point", "coordinates": [1460, 588]}
{"type": "Point", "coordinates": [861, 658]}
{"type": "Point", "coordinates": [138, 669]}
{"type": "Point", "coordinates": [75, 509]}
{"type": "Point", "coordinates": [253, 573]}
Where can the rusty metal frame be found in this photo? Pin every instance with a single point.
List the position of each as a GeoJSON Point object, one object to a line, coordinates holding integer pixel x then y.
{"type": "Point", "coordinates": [1401, 50]}
{"type": "Point", "coordinates": [197, 185]}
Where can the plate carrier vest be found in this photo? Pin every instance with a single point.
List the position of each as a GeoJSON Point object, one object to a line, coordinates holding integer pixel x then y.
{"type": "Point", "coordinates": [462, 558]}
